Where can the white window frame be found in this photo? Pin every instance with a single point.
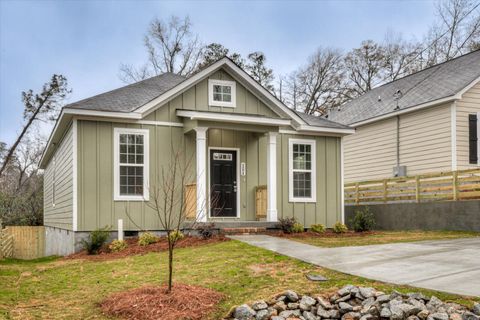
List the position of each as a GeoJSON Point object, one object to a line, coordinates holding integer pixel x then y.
{"type": "Point", "coordinates": [313, 170]}
{"type": "Point", "coordinates": [232, 84]}
{"type": "Point", "coordinates": [116, 159]}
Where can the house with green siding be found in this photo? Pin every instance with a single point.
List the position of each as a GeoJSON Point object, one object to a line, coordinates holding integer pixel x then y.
{"type": "Point", "coordinates": [106, 151]}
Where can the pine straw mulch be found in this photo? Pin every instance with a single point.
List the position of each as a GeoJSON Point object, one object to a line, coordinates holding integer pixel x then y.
{"type": "Point", "coordinates": [152, 302]}
{"type": "Point", "coordinates": [135, 249]}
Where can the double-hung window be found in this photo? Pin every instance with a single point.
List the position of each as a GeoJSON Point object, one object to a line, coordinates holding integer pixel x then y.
{"type": "Point", "coordinates": [131, 164]}
{"type": "Point", "coordinates": [221, 93]}
{"type": "Point", "coordinates": [302, 176]}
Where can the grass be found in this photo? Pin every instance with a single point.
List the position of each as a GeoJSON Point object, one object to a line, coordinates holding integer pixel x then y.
{"type": "Point", "coordinates": [379, 237]}
{"type": "Point", "coordinates": [55, 288]}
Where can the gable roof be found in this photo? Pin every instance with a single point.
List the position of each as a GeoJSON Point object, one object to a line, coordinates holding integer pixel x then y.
{"type": "Point", "coordinates": [130, 97]}
{"type": "Point", "coordinates": [440, 83]}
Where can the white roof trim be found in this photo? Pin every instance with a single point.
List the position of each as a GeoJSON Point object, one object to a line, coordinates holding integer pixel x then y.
{"type": "Point", "coordinates": [218, 116]}
{"type": "Point", "coordinates": [108, 114]}
{"type": "Point", "coordinates": [468, 87]}
{"type": "Point", "coordinates": [150, 106]}
{"type": "Point", "coordinates": [325, 129]}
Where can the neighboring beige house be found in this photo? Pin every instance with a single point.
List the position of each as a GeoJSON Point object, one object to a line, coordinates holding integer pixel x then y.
{"type": "Point", "coordinates": [425, 122]}
{"type": "Point", "coordinates": [105, 151]}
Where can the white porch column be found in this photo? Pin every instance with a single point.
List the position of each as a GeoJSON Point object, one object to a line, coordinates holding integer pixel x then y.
{"type": "Point", "coordinates": [201, 174]}
{"type": "Point", "coordinates": [272, 176]}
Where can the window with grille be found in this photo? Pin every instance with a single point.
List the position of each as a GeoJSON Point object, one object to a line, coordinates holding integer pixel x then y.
{"type": "Point", "coordinates": [131, 157]}
{"type": "Point", "coordinates": [222, 93]}
{"type": "Point", "coordinates": [302, 170]}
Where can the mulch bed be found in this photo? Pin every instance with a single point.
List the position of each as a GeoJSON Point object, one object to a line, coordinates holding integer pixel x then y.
{"type": "Point", "coordinates": [135, 249]}
{"type": "Point", "coordinates": [326, 234]}
{"type": "Point", "coordinates": [184, 302]}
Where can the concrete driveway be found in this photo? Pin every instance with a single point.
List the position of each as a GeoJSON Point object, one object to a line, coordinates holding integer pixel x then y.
{"type": "Point", "coordinates": [451, 265]}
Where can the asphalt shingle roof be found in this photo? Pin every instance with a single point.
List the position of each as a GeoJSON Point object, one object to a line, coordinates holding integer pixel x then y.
{"type": "Point", "coordinates": [131, 97]}
{"type": "Point", "coordinates": [320, 122]}
{"type": "Point", "coordinates": [440, 81]}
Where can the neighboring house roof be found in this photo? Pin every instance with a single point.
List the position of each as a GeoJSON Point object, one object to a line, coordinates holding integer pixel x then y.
{"type": "Point", "coordinates": [439, 82]}
{"type": "Point", "coordinates": [320, 122]}
{"type": "Point", "coordinates": [131, 97]}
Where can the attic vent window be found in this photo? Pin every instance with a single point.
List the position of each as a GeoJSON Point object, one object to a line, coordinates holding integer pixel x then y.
{"type": "Point", "coordinates": [221, 93]}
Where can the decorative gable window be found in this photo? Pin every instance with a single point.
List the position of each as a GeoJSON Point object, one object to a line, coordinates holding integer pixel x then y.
{"type": "Point", "coordinates": [131, 164]}
{"type": "Point", "coordinates": [222, 93]}
{"type": "Point", "coordinates": [302, 168]}
{"type": "Point", "coordinates": [473, 137]}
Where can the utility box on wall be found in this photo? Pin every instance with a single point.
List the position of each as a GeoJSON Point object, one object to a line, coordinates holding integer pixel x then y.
{"type": "Point", "coordinates": [400, 171]}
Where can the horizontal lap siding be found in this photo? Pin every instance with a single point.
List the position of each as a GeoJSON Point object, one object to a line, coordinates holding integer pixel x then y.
{"type": "Point", "coordinates": [60, 215]}
{"type": "Point", "coordinates": [370, 153]}
{"type": "Point", "coordinates": [469, 104]}
{"type": "Point", "coordinates": [425, 145]}
{"type": "Point", "coordinates": [425, 140]}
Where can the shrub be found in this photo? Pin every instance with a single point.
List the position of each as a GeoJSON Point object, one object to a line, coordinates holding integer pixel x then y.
{"type": "Point", "coordinates": [318, 228]}
{"type": "Point", "coordinates": [96, 239]}
{"type": "Point", "coordinates": [206, 230]}
{"type": "Point", "coordinates": [340, 227]}
{"type": "Point", "coordinates": [117, 245]}
{"type": "Point", "coordinates": [364, 220]}
{"type": "Point", "coordinates": [176, 235]}
{"type": "Point", "coordinates": [297, 228]}
{"type": "Point", "coordinates": [147, 238]}
{"type": "Point", "coordinates": [286, 224]}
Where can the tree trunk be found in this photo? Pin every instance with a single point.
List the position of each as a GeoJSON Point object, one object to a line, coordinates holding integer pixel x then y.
{"type": "Point", "coordinates": [170, 267]}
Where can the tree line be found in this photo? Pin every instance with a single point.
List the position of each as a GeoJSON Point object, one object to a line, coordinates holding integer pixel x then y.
{"type": "Point", "coordinates": [329, 77]}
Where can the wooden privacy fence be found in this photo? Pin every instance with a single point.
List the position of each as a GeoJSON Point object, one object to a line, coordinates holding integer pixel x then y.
{"type": "Point", "coordinates": [261, 202]}
{"type": "Point", "coordinates": [6, 244]}
{"type": "Point", "coordinates": [442, 186]}
{"type": "Point", "coordinates": [23, 242]}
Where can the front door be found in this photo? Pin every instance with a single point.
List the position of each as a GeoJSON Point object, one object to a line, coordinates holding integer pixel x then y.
{"type": "Point", "coordinates": [223, 183]}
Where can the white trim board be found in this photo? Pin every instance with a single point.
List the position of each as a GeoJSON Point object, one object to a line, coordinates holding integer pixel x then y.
{"type": "Point", "coordinates": [228, 117]}
{"type": "Point", "coordinates": [75, 175]}
{"type": "Point", "coordinates": [237, 150]}
{"type": "Point", "coordinates": [453, 134]}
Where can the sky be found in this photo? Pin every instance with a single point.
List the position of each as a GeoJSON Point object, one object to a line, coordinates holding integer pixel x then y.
{"type": "Point", "coordinates": [87, 41]}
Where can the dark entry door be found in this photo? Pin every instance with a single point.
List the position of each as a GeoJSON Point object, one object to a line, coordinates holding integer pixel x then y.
{"type": "Point", "coordinates": [223, 182]}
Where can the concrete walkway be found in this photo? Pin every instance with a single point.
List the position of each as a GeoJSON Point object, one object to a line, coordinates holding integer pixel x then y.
{"type": "Point", "coordinates": [448, 265]}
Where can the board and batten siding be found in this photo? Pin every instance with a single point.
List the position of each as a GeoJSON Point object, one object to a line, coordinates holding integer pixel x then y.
{"type": "Point", "coordinates": [469, 104]}
{"type": "Point", "coordinates": [196, 98]}
{"type": "Point", "coordinates": [59, 175]}
{"type": "Point", "coordinates": [97, 208]}
{"type": "Point", "coordinates": [425, 145]}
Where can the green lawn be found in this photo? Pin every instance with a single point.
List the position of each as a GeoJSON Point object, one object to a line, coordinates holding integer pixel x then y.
{"type": "Point", "coordinates": [55, 288]}
{"type": "Point", "coordinates": [379, 237]}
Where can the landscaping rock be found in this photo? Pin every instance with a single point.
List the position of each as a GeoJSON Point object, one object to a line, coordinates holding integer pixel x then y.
{"type": "Point", "coordinates": [292, 296]}
{"type": "Point", "coordinates": [259, 305]}
{"type": "Point", "coordinates": [476, 309]}
{"type": "Point", "coordinates": [354, 303]}
{"type": "Point", "coordinates": [244, 312]}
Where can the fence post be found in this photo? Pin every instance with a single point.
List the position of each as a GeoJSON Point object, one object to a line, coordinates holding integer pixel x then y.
{"type": "Point", "coordinates": [417, 189]}
{"type": "Point", "coordinates": [385, 192]}
{"type": "Point", "coordinates": [357, 196]}
{"type": "Point", "coordinates": [455, 185]}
